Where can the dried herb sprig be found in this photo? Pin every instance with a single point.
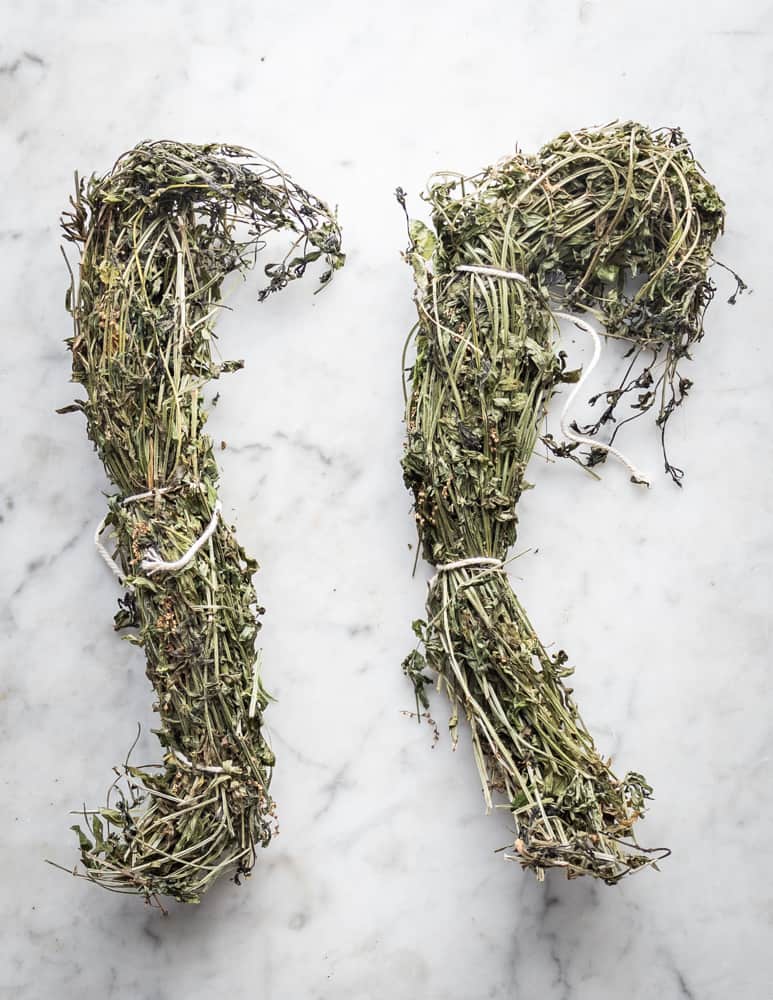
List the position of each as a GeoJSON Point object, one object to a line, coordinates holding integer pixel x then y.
{"type": "Point", "coordinates": [591, 211]}
{"type": "Point", "coordinates": [157, 237]}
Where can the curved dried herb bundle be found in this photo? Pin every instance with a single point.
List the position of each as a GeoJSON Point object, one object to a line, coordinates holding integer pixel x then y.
{"type": "Point", "coordinates": [157, 237]}
{"type": "Point", "coordinates": [591, 210]}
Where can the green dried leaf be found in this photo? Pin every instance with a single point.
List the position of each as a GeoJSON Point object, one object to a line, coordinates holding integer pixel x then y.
{"type": "Point", "coordinates": [423, 239]}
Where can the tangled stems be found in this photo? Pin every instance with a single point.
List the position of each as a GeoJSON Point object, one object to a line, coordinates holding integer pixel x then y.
{"type": "Point", "coordinates": [157, 237]}
{"type": "Point", "coordinates": [591, 211]}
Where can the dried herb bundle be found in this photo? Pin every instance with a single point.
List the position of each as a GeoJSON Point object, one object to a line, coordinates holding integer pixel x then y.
{"type": "Point", "coordinates": [575, 222]}
{"type": "Point", "coordinates": [157, 237]}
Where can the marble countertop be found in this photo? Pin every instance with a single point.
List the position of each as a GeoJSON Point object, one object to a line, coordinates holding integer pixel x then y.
{"type": "Point", "coordinates": [384, 881]}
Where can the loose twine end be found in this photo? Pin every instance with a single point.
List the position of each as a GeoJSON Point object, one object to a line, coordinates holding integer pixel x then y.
{"type": "Point", "coordinates": [494, 272]}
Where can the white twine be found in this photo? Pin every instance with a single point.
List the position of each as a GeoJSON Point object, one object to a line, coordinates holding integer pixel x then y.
{"type": "Point", "coordinates": [493, 272]}
{"type": "Point", "coordinates": [461, 563]}
{"type": "Point", "coordinates": [636, 476]}
{"type": "Point", "coordinates": [197, 767]}
{"type": "Point", "coordinates": [153, 563]}
{"type": "Point", "coordinates": [111, 564]}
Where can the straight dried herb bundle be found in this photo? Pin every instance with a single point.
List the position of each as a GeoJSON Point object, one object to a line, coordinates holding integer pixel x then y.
{"type": "Point", "coordinates": [571, 225]}
{"type": "Point", "coordinates": [157, 237]}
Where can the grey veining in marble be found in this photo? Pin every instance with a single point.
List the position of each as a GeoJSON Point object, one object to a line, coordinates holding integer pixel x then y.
{"type": "Point", "coordinates": [384, 881]}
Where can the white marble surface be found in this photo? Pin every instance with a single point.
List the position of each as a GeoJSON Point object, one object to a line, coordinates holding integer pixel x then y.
{"type": "Point", "coordinates": [384, 882]}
